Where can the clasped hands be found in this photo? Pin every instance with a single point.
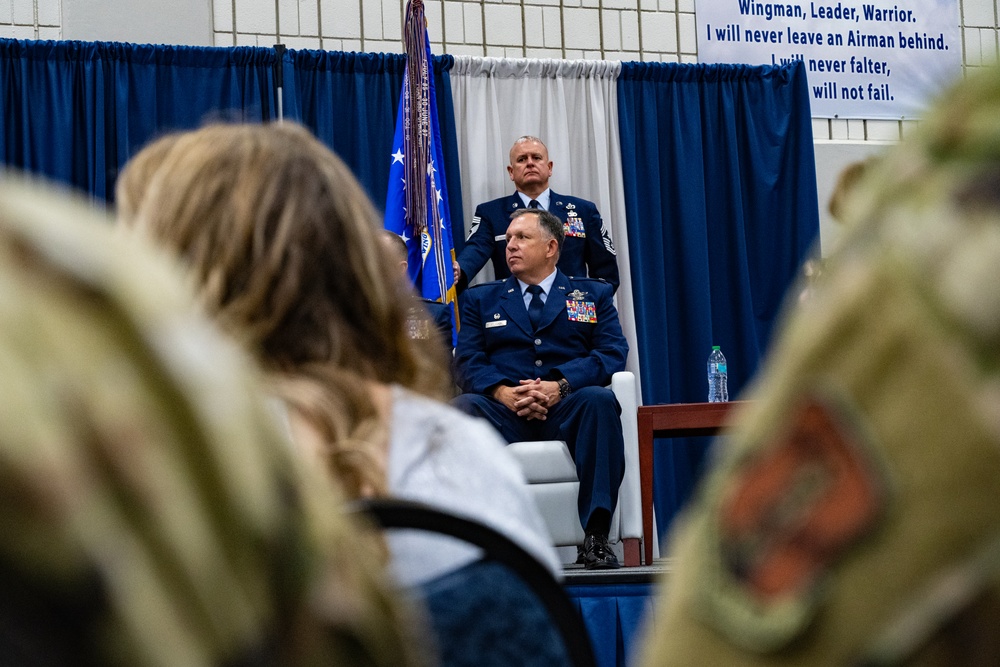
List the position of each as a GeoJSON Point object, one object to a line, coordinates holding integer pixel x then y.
{"type": "Point", "coordinates": [531, 399]}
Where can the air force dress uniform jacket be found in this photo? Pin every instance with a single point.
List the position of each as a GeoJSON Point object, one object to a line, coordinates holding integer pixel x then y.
{"type": "Point", "coordinates": [579, 336]}
{"type": "Point", "coordinates": [587, 249]}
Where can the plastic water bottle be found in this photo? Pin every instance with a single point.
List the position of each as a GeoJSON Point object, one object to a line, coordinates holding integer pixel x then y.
{"type": "Point", "coordinates": [718, 389]}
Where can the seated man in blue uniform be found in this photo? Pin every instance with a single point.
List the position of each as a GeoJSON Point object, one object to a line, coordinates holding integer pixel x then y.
{"type": "Point", "coordinates": [587, 249]}
{"type": "Point", "coordinates": [535, 355]}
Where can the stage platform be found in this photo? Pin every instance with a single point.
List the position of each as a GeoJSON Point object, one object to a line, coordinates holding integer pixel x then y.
{"type": "Point", "coordinates": [644, 574]}
{"type": "Point", "coordinates": [614, 605]}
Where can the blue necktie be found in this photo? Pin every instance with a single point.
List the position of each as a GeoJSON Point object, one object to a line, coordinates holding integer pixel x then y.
{"type": "Point", "coordinates": [535, 307]}
{"type": "Point", "coordinates": [533, 204]}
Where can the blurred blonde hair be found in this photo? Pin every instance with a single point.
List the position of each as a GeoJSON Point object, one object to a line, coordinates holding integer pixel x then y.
{"type": "Point", "coordinates": [284, 246]}
{"type": "Point", "coordinates": [152, 513]}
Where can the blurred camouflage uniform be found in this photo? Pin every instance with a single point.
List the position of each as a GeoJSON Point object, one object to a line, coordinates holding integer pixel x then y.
{"type": "Point", "coordinates": [150, 514]}
{"type": "Point", "coordinates": [853, 514]}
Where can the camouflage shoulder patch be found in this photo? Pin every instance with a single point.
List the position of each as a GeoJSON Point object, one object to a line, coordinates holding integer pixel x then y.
{"type": "Point", "coordinates": [787, 515]}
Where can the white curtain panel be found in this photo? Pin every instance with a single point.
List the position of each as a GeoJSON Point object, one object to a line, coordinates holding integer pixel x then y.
{"type": "Point", "coordinates": [572, 106]}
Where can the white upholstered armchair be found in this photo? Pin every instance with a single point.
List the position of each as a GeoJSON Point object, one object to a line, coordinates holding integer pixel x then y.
{"type": "Point", "coordinates": [552, 479]}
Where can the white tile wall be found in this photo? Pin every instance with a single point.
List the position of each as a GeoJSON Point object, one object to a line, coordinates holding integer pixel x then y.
{"type": "Point", "coordinates": [979, 13]}
{"type": "Point", "coordinates": [630, 35]}
{"type": "Point", "coordinates": [882, 130]}
{"type": "Point", "coordinates": [299, 43]}
{"type": "Point", "coordinates": [222, 20]}
{"type": "Point", "coordinates": [371, 16]}
{"type": "Point", "coordinates": [534, 27]}
{"type": "Point", "coordinates": [503, 25]}
{"type": "Point", "coordinates": [309, 18]}
{"type": "Point", "coordinates": [686, 28]}
{"type": "Point", "coordinates": [555, 54]}
{"type": "Point", "coordinates": [552, 25]}
{"type": "Point", "coordinates": [973, 47]}
{"type": "Point", "coordinates": [474, 25]}
{"type": "Point", "coordinates": [288, 17]}
{"type": "Point", "coordinates": [611, 28]}
{"type": "Point", "coordinates": [22, 32]}
{"type": "Point", "coordinates": [821, 129]}
{"type": "Point", "coordinates": [581, 29]}
{"type": "Point", "coordinates": [392, 19]}
{"type": "Point", "coordinates": [659, 31]}
{"type": "Point", "coordinates": [24, 12]}
{"type": "Point", "coordinates": [454, 21]}
{"type": "Point", "coordinates": [469, 50]}
{"type": "Point", "coordinates": [991, 46]}
{"type": "Point", "coordinates": [255, 16]}
{"type": "Point", "coordinates": [48, 12]}
{"type": "Point", "coordinates": [341, 18]}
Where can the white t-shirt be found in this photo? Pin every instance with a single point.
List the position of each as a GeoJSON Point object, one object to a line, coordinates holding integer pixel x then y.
{"type": "Point", "coordinates": [444, 458]}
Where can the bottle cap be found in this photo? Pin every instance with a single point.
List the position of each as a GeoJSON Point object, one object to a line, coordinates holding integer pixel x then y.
{"type": "Point", "coordinates": [716, 347]}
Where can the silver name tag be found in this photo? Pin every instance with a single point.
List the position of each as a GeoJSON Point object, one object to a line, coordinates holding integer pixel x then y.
{"type": "Point", "coordinates": [498, 323]}
{"type": "Point", "coordinates": [500, 237]}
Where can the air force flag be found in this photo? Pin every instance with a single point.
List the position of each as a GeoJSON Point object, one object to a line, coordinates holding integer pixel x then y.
{"type": "Point", "coordinates": [416, 206]}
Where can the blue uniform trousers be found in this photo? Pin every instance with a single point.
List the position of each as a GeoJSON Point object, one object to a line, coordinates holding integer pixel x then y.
{"type": "Point", "coordinates": [588, 420]}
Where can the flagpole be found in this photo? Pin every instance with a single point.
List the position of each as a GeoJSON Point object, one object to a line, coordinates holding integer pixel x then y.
{"type": "Point", "coordinates": [279, 78]}
{"type": "Point", "coordinates": [417, 196]}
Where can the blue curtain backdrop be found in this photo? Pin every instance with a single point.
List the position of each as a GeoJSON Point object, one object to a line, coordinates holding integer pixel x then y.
{"type": "Point", "coordinates": [75, 112]}
{"type": "Point", "coordinates": [614, 616]}
{"type": "Point", "coordinates": [350, 101]}
{"type": "Point", "coordinates": [721, 209]}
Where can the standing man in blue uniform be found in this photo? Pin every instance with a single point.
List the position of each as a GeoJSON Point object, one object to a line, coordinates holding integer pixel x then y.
{"type": "Point", "coordinates": [587, 249]}
{"type": "Point", "coordinates": [534, 356]}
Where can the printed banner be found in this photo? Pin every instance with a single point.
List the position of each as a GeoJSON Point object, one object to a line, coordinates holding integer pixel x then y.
{"type": "Point", "coordinates": [863, 60]}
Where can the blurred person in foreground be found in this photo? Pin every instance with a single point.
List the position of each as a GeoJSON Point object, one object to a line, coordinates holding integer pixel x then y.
{"type": "Point", "coordinates": [151, 512]}
{"type": "Point", "coordinates": [285, 250]}
{"type": "Point", "coordinates": [851, 516]}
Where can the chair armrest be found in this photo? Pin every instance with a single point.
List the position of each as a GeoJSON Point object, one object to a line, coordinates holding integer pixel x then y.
{"type": "Point", "coordinates": [629, 510]}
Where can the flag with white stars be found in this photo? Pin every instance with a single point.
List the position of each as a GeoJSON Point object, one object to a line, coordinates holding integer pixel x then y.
{"type": "Point", "coordinates": [416, 205]}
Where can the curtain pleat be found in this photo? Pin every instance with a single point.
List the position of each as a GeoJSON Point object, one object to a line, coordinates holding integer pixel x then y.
{"type": "Point", "coordinates": [615, 616]}
{"type": "Point", "coordinates": [75, 111]}
{"type": "Point", "coordinates": [722, 209]}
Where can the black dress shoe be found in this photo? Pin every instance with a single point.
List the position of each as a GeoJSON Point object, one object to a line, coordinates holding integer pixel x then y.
{"type": "Point", "coordinates": [597, 554]}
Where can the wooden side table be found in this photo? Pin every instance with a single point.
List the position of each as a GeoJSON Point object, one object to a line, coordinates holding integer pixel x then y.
{"type": "Point", "coordinates": [675, 420]}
